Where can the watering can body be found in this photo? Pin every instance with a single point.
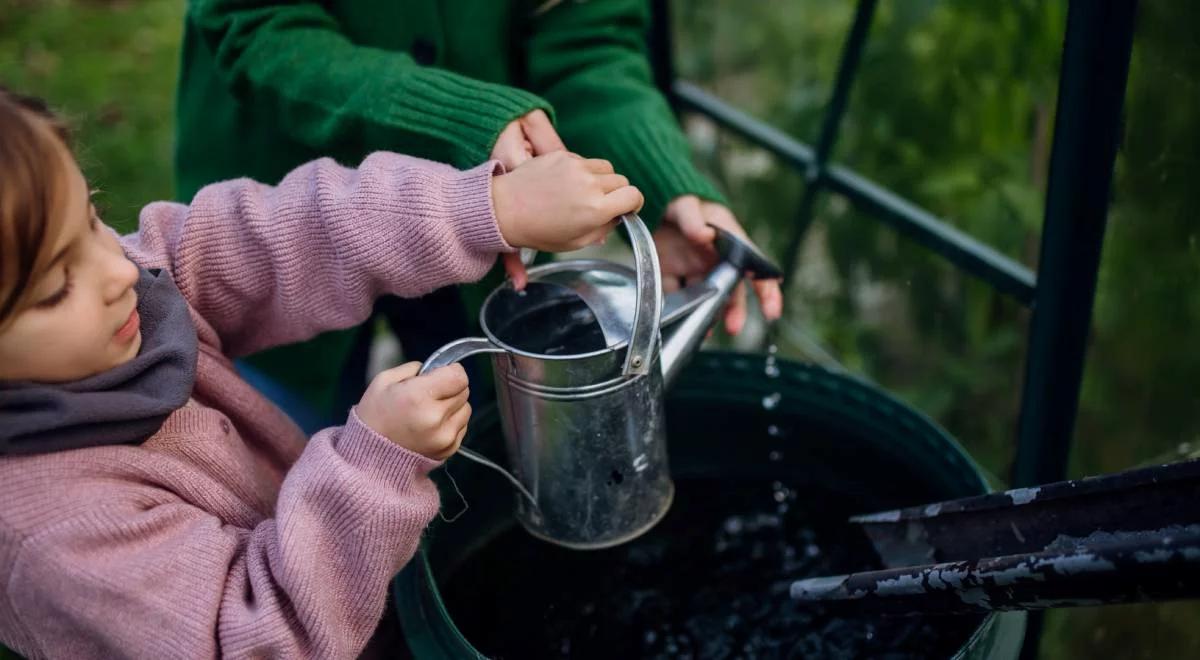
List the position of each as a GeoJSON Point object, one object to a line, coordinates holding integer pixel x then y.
{"type": "Point", "coordinates": [580, 371]}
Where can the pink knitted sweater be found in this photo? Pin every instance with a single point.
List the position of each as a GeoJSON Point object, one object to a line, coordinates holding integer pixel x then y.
{"type": "Point", "coordinates": [228, 532]}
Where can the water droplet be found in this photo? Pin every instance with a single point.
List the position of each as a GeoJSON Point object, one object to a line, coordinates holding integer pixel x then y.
{"type": "Point", "coordinates": [781, 496]}
{"type": "Point", "coordinates": [775, 456]}
{"type": "Point", "coordinates": [651, 636]}
{"type": "Point", "coordinates": [774, 431]}
{"type": "Point", "coordinates": [772, 350]}
{"type": "Point", "coordinates": [733, 525]}
{"type": "Point", "coordinates": [812, 550]}
{"type": "Point", "coordinates": [771, 370]}
{"type": "Point", "coordinates": [771, 400]}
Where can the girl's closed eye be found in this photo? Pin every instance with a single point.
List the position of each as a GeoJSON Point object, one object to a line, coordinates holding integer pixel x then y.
{"type": "Point", "coordinates": [58, 296]}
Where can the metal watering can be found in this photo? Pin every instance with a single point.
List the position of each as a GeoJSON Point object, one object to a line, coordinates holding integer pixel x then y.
{"type": "Point", "coordinates": [580, 368]}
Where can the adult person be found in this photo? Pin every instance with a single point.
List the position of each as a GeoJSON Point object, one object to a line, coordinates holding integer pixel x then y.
{"type": "Point", "coordinates": [268, 84]}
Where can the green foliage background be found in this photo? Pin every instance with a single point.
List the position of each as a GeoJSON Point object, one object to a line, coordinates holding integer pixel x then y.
{"type": "Point", "coordinates": [953, 108]}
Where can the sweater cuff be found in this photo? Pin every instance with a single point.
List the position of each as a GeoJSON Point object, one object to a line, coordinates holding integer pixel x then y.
{"type": "Point", "coordinates": [469, 197]}
{"type": "Point", "coordinates": [658, 161]}
{"type": "Point", "coordinates": [467, 114]}
{"type": "Point", "coordinates": [363, 447]}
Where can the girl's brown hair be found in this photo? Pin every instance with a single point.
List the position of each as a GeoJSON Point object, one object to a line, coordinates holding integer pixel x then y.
{"type": "Point", "coordinates": [30, 179]}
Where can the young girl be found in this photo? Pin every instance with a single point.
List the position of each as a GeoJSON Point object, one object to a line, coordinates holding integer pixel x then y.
{"type": "Point", "coordinates": [153, 504]}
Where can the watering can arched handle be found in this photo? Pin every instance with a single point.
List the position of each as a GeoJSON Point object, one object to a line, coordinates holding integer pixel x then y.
{"type": "Point", "coordinates": [643, 336]}
{"type": "Point", "coordinates": [451, 353]}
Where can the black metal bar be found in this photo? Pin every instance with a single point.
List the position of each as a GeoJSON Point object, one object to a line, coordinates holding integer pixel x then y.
{"type": "Point", "coordinates": [1117, 569]}
{"type": "Point", "coordinates": [793, 152]}
{"type": "Point", "coordinates": [1006, 275]}
{"type": "Point", "coordinates": [847, 69]}
{"type": "Point", "coordinates": [979, 259]}
{"type": "Point", "coordinates": [1095, 65]}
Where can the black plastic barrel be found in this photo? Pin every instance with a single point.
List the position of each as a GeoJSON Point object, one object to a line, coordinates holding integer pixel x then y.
{"type": "Point", "coordinates": [734, 417]}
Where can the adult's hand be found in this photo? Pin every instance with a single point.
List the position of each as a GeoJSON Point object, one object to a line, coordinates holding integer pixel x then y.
{"type": "Point", "coordinates": [525, 137]}
{"type": "Point", "coordinates": [686, 254]}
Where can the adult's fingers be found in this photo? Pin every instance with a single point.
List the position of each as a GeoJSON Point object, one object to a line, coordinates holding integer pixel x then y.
{"type": "Point", "coordinates": [687, 214]}
{"type": "Point", "coordinates": [770, 298]}
{"type": "Point", "coordinates": [735, 312]}
{"type": "Point", "coordinates": [510, 146]}
{"type": "Point", "coordinates": [541, 133]}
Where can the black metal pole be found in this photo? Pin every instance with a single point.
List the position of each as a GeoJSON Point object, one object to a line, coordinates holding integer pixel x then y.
{"type": "Point", "coordinates": [847, 69]}
{"type": "Point", "coordinates": [1095, 64]}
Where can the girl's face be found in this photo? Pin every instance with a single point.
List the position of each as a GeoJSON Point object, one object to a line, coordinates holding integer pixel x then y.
{"type": "Point", "coordinates": [83, 317]}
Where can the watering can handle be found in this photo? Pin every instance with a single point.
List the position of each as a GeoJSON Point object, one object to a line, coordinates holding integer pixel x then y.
{"type": "Point", "coordinates": [451, 353]}
{"type": "Point", "coordinates": [643, 336]}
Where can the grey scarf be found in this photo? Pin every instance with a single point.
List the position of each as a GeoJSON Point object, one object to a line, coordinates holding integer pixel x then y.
{"type": "Point", "coordinates": [124, 405]}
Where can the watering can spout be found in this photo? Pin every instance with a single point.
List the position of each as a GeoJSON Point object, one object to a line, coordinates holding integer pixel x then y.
{"type": "Point", "coordinates": [693, 310]}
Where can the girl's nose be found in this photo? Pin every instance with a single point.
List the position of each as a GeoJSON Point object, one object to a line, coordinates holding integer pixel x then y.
{"type": "Point", "coordinates": [120, 274]}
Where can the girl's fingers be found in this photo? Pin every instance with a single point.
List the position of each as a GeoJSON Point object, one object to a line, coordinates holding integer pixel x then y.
{"type": "Point", "coordinates": [515, 269]}
{"type": "Point", "coordinates": [400, 373]}
{"type": "Point", "coordinates": [445, 382]}
{"type": "Point", "coordinates": [598, 166]}
{"type": "Point", "coordinates": [611, 182]}
{"type": "Point", "coordinates": [455, 404]}
{"type": "Point", "coordinates": [622, 200]}
{"type": "Point", "coordinates": [459, 420]}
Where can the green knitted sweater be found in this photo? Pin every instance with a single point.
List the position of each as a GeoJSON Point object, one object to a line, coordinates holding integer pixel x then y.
{"type": "Point", "coordinates": [266, 85]}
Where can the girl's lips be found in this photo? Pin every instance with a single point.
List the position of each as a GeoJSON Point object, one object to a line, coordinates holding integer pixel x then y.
{"type": "Point", "coordinates": [127, 332]}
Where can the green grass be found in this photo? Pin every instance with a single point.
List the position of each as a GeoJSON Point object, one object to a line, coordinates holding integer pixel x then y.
{"type": "Point", "coordinates": [110, 68]}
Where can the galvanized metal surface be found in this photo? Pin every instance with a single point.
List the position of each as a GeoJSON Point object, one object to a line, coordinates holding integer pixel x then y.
{"type": "Point", "coordinates": [643, 333]}
{"type": "Point", "coordinates": [584, 425]}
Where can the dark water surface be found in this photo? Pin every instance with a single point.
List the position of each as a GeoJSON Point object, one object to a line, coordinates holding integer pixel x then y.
{"type": "Point", "coordinates": [710, 581]}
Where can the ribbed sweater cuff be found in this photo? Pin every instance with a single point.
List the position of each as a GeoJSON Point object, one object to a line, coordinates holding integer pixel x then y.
{"type": "Point", "coordinates": [659, 162]}
{"type": "Point", "coordinates": [364, 448]}
{"type": "Point", "coordinates": [469, 195]}
{"type": "Point", "coordinates": [465, 113]}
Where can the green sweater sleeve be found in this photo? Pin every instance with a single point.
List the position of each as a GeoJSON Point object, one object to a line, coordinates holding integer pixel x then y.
{"type": "Point", "coordinates": [589, 60]}
{"type": "Point", "coordinates": [290, 59]}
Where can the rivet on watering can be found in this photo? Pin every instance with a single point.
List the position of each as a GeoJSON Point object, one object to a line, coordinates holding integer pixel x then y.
{"type": "Point", "coordinates": [637, 361]}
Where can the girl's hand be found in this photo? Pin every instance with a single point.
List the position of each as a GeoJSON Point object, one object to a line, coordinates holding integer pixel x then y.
{"type": "Point", "coordinates": [561, 201]}
{"type": "Point", "coordinates": [426, 414]}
